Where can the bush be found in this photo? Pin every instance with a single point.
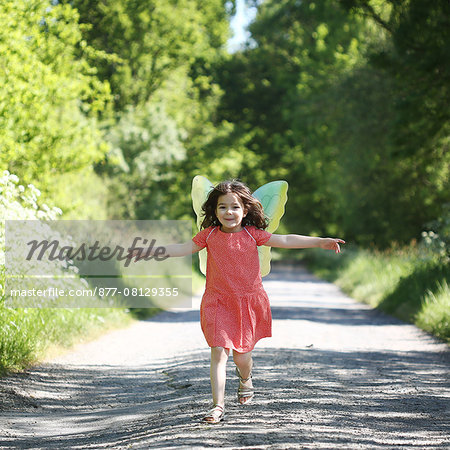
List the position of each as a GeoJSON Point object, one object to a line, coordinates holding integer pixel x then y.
{"type": "Point", "coordinates": [437, 239]}
{"type": "Point", "coordinates": [26, 333]}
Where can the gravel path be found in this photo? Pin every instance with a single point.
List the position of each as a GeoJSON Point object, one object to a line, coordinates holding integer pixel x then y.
{"type": "Point", "coordinates": [336, 374]}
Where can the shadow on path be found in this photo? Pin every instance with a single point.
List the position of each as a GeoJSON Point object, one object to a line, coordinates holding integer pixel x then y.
{"type": "Point", "coordinates": [341, 316]}
{"type": "Point", "coordinates": [305, 399]}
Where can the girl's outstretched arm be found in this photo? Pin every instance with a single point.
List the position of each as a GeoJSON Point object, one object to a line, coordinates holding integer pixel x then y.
{"type": "Point", "coordinates": [182, 249]}
{"type": "Point", "coordinates": [170, 250]}
{"type": "Point", "coordinates": [298, 241]}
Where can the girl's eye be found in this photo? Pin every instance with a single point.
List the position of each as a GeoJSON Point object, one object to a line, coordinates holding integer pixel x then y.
{"type": "Point", "coordinates": [224, 207]}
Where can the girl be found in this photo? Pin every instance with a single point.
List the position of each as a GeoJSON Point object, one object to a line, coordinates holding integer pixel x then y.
{"type": "Point", "coordinates": [235, 310]}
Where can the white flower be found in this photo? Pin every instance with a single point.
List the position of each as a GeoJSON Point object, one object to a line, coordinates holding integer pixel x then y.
{"type": "Point", "coordinates": [34, 190]}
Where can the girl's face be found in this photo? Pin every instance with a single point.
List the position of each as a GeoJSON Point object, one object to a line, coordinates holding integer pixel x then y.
{"type": "Point", "coordinates": [230, 211]}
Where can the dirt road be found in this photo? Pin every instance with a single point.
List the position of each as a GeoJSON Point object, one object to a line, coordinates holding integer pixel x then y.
{"type": "Point", "coordinates": [336, 374]}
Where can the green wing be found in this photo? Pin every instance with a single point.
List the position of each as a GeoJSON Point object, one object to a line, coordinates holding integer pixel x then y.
{"type": "Point", "coordinates": [201, 187]}
{"type": "Point", "coordinates": [273, 197]}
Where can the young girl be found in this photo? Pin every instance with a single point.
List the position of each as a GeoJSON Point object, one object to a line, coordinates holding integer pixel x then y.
{"type": "Point", "coordinates": [235, 310]}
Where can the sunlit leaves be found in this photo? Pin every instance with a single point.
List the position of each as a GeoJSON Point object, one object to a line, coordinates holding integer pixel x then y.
{"type": "Point", "coordinates": [50, 98]}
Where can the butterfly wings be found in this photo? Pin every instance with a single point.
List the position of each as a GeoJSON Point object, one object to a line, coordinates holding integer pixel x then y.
{"type": "Point", "coordinates": [273, 197]}
{"type": "Point", "coordinates": [201, 187]}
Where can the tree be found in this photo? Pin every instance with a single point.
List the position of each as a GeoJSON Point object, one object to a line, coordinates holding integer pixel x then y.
{"type": "Point", "coordinates": [347, 100]}
{"type": "Point", "coordinates": [140, 43]}
{"type": "Point", "coordinates": [169, 66]}
{"type": "Point", "coordinates": [145, 144]}
{"type": "Point", "coordinates": [49, 99]}
{"type": "Point", "coordinates": [276, 92]}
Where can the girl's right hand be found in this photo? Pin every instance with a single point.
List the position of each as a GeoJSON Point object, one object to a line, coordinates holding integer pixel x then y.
{"type": "Point", "coordinates": [133, 254]}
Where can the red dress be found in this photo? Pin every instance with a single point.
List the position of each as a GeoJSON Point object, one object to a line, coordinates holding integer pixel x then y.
{"type": "Point", "coordinates": [235, 310]}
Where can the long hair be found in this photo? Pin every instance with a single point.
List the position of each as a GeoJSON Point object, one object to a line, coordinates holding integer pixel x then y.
{"type": "Point", "coordinates": [255, 213]}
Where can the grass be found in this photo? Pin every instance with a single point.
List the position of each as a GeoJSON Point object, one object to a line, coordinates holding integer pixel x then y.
{"type": "Point", "coordinates": [401, 282]}
{"type": "Point", "coordinates": [434, 315]}
{"type": "Point", "coordinates": [30, 334]}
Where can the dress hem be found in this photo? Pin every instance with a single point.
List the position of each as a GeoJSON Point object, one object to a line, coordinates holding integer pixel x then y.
{"type": "Point", "coordinates": [239, 349]}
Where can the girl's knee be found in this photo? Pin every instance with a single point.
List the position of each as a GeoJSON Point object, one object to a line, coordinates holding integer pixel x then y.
{"type": "Point", "coordinates": [219, 353]}
{"type": "Point", "coordinates": [237, 356]}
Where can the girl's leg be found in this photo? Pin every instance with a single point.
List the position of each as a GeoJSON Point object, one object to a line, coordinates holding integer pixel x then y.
{"type": "Point", "coordinates": [244, 363]}
{"type": "Point", "coordinates": [218, 371]}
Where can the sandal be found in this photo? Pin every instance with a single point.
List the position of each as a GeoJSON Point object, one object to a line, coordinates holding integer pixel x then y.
{"type": "Point", "coordinates": [214, 415]}
{"type": "Point", "coordinates": [244, 392]}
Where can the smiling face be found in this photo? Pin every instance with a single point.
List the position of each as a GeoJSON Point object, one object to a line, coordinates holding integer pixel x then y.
{"type": "Point", "coordinates": [230, 211]}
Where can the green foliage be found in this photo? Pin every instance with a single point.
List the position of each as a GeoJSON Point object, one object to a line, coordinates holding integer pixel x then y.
{"type": "Point", "coordinates": [413, 58]}
{"type": "Point", "coordinates": [146, 40]}
{"type": "Point", "coordinates": [27, 333]}
{"type": "Point", "coordinates": [277, 93]}
{"type": "Point", "coordinates": [49, 98]}
{"type": "Point", "coordinates": [157, 57]}
{"type": "Point", "coordinates": [162, 55]}
{"type": "Point", "coordinates": [347, 100]}
{"type": "Point", "coordinates": [434, 316]}
{"type": "Point", "coordinates": [437, 239]}
{"type": "Point", "coordinates": [145, 143]}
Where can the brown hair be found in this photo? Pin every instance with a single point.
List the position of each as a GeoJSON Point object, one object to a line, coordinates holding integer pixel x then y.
{"type": "Point", "coordinates": [255, 213]}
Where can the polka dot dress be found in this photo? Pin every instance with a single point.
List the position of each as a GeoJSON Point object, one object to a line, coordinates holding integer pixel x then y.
{"type": "Point", "coordinates": [235, 310]}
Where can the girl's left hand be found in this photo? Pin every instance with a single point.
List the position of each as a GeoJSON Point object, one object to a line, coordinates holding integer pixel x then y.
{"type": "Point", "coordinates": [331, 244]}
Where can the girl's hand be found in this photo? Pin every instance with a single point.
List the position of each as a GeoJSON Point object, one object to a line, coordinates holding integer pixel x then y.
{"type": "Point", "coordinates": [331, 244]}
{"type": "Point", "coordinates": [133, 254]}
